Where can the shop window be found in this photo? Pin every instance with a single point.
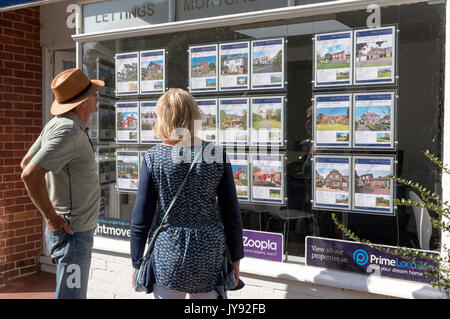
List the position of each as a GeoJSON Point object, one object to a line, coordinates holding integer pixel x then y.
{"type": "Point", "coordinates": [419, 110]}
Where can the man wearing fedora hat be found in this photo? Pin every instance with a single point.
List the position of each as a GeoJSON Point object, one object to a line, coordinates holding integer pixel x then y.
{"type": "Point", "coordinates": [60, 175]}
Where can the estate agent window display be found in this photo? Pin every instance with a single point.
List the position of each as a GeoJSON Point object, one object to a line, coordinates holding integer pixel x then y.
{"type": "Point", "coordinates": [305, 138]}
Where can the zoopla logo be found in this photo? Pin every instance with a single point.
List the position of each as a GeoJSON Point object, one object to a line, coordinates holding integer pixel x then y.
{"type": "Point", "coordinates": [360, 257]}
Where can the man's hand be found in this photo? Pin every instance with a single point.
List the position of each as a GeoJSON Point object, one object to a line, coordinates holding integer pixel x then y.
{"type": "Point", "coordinates": [57, 224]}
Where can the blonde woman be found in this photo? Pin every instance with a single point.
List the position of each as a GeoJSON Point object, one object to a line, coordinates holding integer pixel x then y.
{"type": "Point", "coordinates": [187, 256]}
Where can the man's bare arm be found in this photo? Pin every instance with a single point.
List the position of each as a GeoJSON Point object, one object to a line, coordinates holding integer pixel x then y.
{"type": "Point", "coordinates": [33, 177]}
{"type": "Point", "coordinates": [26, 160]}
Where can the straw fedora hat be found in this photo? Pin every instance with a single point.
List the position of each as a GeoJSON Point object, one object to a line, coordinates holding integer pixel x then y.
{"type": "Point", "coordinates": [71, 88]}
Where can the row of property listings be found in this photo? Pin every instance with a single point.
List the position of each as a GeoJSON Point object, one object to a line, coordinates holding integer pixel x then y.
{"type": "Point", "coordinates": [355, 120]}
{"type": "Point", "coordinates": [258, 177]}
{"type": "Point", "coordinates": [354, 183]}
{"type": "Point", "coordinates": [225, 121]}
{"type": "Point", "coordinates": [212, 68]}
{"type": "Point", "coordinates": [356, 57]}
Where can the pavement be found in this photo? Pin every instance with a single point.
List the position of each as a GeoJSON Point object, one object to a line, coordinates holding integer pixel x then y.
{"type": "Point", "coordinates": [38, 286]}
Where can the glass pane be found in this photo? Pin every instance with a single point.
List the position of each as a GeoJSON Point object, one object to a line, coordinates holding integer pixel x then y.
{"type": "Point", "coordinates": [421, 48]}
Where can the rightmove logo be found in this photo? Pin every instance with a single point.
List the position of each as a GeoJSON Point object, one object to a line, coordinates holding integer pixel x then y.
{"type": "Point", "coordinates": [361, 257]}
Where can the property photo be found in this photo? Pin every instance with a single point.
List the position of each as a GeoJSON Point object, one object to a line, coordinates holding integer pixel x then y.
{"type": "Point", "coordinates": [384, 137]}
{"type": "Point", "coordinates": [332, 180]}
{"type": "Point", "coordinates": [148, 120]}
{"type": "Point", "coordinates": [385, 72]}
{"type": "Point", "coordinates": [333, 57]}
{"type": "Point", "coordinates": [209, 120]}
{"type": "Point", "coordinates": [267, 176]}
{"type": "Point", "coordinates": [126, 121]}
{"type": "Point", "coordinates": [240, 175]}
{"type": "Point", "coordinates": [332, 119]}
{"type": "Point", "coordinates": [127, 72]}
{"type": "Point", "coordinates": [375, 54]}
{"type": "Point", "coordinates": [128, 169]}
{"type": "Point", "coordinates": [375, 182]}
{"type": "Point", "coordinates": [266, 118]}
{"type": "Point", "coordinates": [267, 61]}
{"type": "Point", "coordinates": [234, 64]}
{"type": "Point", "coordinates": [373, 118]}
{"type": "Point", "coordinates": [235, 118]}
{"type": "Point", "coordinates": [203, 66]}
{"type": "Point", "coordinates": [152, 70]}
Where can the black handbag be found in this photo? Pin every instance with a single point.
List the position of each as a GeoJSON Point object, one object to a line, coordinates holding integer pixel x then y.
{"type": "Point", "coordinates": [139, 283]}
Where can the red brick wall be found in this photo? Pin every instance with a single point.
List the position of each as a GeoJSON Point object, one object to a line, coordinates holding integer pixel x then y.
{"type": "Point", "coordinates": [20, 125]}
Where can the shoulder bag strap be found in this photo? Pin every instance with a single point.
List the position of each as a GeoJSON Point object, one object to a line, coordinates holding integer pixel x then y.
{"type": "Point", "coordinates": [150, 246]}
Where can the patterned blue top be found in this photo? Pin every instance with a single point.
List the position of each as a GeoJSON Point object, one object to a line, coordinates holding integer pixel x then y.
{"type": "Point", "coordinates": [188, 251]}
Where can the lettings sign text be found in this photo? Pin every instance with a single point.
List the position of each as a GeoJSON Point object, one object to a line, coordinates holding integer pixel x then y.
{"type": "Point", "coordinates": [123, 14]}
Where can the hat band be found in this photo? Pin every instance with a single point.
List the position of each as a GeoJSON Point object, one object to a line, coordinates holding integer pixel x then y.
{"type": "Point", "coordinates": [79, 94]}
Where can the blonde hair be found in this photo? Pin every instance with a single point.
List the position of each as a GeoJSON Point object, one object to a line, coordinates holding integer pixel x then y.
{"type": "Point", "coordinates": [176, 111]}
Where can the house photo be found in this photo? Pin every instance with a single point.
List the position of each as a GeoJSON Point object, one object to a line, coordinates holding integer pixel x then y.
{"type": "Point", "coordinates": [333, 57]}
{"type": "Point", "coordinates": [152, 71]}
{"type": "Point", "coordinates": [234, 64]}
{"type": "Point", "coordinates": [332, 119]}
{"type": "Point", "coordinates": [203, 66]}
{"type": "Point", "coordinates": [371, 183]}
{"type": "Point", "coordinates": [373, 118]}
{"type": "Point", "coordinates": [332, 180]}
{"type": "Point", "coordinates": [373, 54]}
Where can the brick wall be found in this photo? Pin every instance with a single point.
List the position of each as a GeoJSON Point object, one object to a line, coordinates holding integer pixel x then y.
{"type": "Point", "coordinates": [20, 125]}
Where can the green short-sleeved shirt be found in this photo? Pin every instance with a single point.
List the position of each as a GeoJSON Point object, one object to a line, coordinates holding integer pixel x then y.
{"type": "Point", "coordinates": [64, 149]}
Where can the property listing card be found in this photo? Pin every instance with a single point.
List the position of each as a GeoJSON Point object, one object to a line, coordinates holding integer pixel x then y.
{"type": "Point", "coordinates": [127, 164]}
{"type": "Point", "coordinates": [148, 121]}
{"type": "Point", "coordinates": [332, 124]}
{"type": "Point", "coordinates": [267, 178]}
{"type": "Point", "coordinates": [233, 119]}
{"type": "Point", "coordinates": [375, 56]}
{"type": "Point", "coordinates": [333, 59]}
{"type": "Point", "coordinates": [152, 71]}
{"type": "Point", "coordinates": [106, 121]}
{"type": "Point", "coordinates": [127, 81]}
{"type": "Point", "coordinates": [332, 182]}
{"type": "Point", "coordinates": [267, 120]}
{"type": "Point", "coordinates": [105, 72]}
{"type": "Point", "coordinates": [208, 130]}
{"type": "Point", "coordinates": [373, 191]}
{"type": "Point", "coordinates": [203, 68]}
{"type": "Point", "coordinates": [374, 120]}
{"type": "Point", "coordinates": [268, 64]}
{"type": "Point", "coordinates": [107, 171]}
{"type": "Point", "coordinates": [240, 166]}
{"type": "Point", "coordinates": [234, 66]}
{"type": "Point", "coordinates": [127, 119]}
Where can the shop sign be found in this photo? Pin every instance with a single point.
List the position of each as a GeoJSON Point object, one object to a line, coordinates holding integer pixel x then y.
{"type": "Point", "coordinates": [123, 14]}
{"type": "Point", "coordinates": [263, 245]}
{"type": "Point", "coordinates": [195, 9]}
{"type": "Point", "coordinates": [113, 228]}
{"type": "Point", "coordinates": [360, 258]}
